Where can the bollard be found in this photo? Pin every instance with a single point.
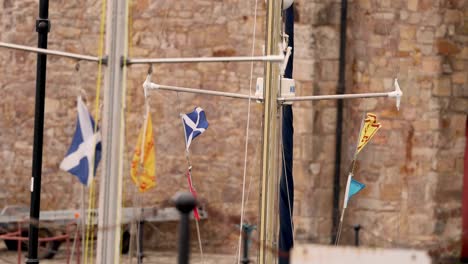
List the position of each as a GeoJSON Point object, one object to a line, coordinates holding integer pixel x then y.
{"type": "Point", "coordinates": [185, 202]}
{"type": "Point", "coordinates": [246, 230]}
{"type": "Point", "coordinates": [356, 235]}
{"type": "Point", "coordinates": [140, 242]}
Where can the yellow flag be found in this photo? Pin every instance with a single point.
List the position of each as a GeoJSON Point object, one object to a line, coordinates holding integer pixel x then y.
{"type": "Point", "coordinates": [144, 162]}
{"type": "Point", "coordinates": [368, 130]}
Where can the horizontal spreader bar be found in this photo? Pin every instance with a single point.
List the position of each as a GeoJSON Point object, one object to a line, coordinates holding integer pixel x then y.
{"type": "Point", "coordinates": [272, 58]}
{"type": "Point", "coordinates": [49, 52]}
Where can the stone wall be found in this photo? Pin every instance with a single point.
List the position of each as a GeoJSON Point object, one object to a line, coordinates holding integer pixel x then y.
{"type": "Point", "coordinates": [412, 168]}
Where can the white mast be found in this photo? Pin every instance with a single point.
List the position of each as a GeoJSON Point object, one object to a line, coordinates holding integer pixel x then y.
{"type": "Point", "coordinates": [269, 185]}
{"type": "Point", "coordinates": [110, 185]}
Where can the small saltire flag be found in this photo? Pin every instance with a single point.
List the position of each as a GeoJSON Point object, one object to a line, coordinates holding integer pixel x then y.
{"type": "Point", "coordinates": [368, 130]}
{"type": "Point", "coordinates": [144, 158]}
{"type": "Point", "coordinates": [85, 148]}
{"type": "Point", "coordinates": [195, 123]}
{"type": "Point", "coordinates": [352, 187]}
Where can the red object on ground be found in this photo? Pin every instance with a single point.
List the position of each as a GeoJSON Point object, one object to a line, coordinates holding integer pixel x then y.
{"type": "Point", "coordinates": [464, 251]}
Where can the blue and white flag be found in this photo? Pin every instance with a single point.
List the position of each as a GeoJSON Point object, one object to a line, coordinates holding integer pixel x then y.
{"type": "Point", "coordinates": [85, 147]}
{"type": "Point", "coordinates": [352, 187]}
{"type": "Point", "coordinates": [195, 123]}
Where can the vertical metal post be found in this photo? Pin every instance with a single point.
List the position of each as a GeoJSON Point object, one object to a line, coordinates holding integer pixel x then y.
{"type": "Point", "coordinates": [185, 203]}
{"type": "Point", "coordinates": [42, 28]}
{"type": "Point", "coordinates": [464, 233]}
{"type": "Point", "coordinates": [269, 185]}
{"type": "Point", "coordinates": [110, 192]}
{"type": "Point", "coordinates": [339, 122]}
{"type": "Point", "coordinates": [140, 243]}
{"type": "Point", "coordinates": [246, 232]}
{"type": "Point", "coordinates": [357, 228]}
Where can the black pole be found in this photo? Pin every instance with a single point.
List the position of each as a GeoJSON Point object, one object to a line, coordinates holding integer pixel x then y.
{"type": "Point", "coordinates": [42, 28]}
{"type": "Point", "coordinates": [185, 202]}
{"type": "Point", "coordinates": [246, 232]}
{"type": "Point", "coordinates": [286, 192]}
{"type": "Point", "coordinates": [339, 121]}
{"type": "Point", "coordinates": [356, 235]}
{"type": "Point", "coordinates": [140, 243]}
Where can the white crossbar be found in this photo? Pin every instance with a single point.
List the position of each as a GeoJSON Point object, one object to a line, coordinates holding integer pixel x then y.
{"type": "Point", "coordinates": [275, 58]}
{"type": "Point", "coordinates": [49, 52]}
{"type": "Point", "coordinates": [397, 93]}
{"type": "Point", "coordinates": [198, 91]}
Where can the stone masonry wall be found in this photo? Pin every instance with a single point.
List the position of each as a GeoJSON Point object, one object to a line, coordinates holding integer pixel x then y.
{"type": "Point", "coordinates": [412, 168]}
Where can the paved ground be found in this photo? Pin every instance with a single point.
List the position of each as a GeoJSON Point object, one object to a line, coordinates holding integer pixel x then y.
{"type": "Point", "coordinates": [9, 257]}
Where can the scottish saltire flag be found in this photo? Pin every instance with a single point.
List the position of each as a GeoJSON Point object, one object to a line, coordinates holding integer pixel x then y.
{"type": "Point", "coordinates": [352, 187]}
{"type": "Point", "coordinates": [85, 147]}
{"type": "Point", "coordinates": [195, 124]}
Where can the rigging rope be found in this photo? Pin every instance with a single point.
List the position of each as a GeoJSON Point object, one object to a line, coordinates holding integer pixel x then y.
{"type": "Point", "coordinates": [123, 128]}
{"type": "Point", "coordinates": [247, 136]}
{"type": "Point", "coordinates": [91, 201]}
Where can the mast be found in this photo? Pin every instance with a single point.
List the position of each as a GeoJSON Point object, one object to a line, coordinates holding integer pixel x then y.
{"type": "Point", "coordinates": [42, 28]}
{"type": "Point", "coordinates": [110, 192]}
{"type": "Point", "coordinates": [286, 192]}
{"type": "Point", "coordinates": [269, 186]}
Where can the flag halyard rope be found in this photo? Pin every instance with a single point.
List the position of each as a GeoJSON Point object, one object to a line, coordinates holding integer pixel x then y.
{"type": "Point", "coordinates": [88, 250]}
{"type": "Point", "coordinates": [247, 128]}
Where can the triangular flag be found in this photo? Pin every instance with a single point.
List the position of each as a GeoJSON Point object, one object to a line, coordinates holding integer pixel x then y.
{"type": "Point", "coordinates": [144, 158]}
{"type": "Point", "coordinates": [368, 130]}
{"type": "Point", "coordinates": [355, 187]}
{"type": "Point", "coordinates": [85, 147]}
{"type": "Point", "coordinates": [352, 187]}
{"type": "Point", "coordinates": [195, 124]}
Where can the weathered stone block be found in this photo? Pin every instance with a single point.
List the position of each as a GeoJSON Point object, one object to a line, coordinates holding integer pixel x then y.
{"type": "Point", "coordinates": [442, 87]}
{"type": "Point", "coordinates": [407, 32]}
{"type": "Point", "coordinates": [329, 70]}
{"type": "Point", "coordinates": [390, 192]}
{"type": "Point", "coordinates": [413, 5]}
{"type": "Point", "coordinates": [406, 45]}
{"type": "Point", "coordinates": [452, 16]}
{"type": "Point", "coordinates": [459, 90]}
{"type": "Point", "coordinates": [425, 35]}
{"type": "Point", "coordinates": [460, 78]}
{"type": "Point", "coordinates": [431, 65]}
{"type": "Point", "coordinates": [459, 104]}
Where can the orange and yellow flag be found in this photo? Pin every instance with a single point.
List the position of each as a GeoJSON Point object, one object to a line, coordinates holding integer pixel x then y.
{"type": "Point", "coordinates": [143, 171]}
{"type": "Point", "coordinates": [368, 130]}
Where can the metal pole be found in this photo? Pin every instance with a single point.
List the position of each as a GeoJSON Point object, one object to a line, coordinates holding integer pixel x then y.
{"type": "Point", "coordinates": [199, 91]}
{"type": "Point", "coordinates": [246, 232]}
{"type": "Point", "coordinates": [357, 228]}
{"type": "Point", "coordinates": [42, 28]}
{"type": "Point", "coordinates": [185, 203]}
{"type": "Point", "coordinates": [140, 243]}
{"type": "Point", "coordinates": [268, 210]}
{"type": "Point", "coordinates": [49, 52]}
{"type": "Point", "coordinates": [334, 97]}
{"type": "Point", "coordinates": [110, 192]}
{"type": "Point", "coordinates": [270, 58]}
{"type": "Point", "coordinates": [339, 120]}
